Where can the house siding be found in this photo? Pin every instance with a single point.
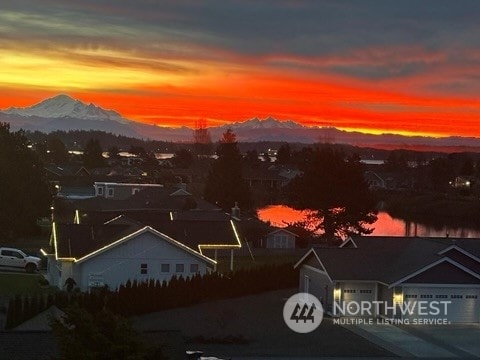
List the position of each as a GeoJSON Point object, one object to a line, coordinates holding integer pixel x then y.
{"type": "Point", "coordinates": [385, 295]}
{"type": "Point", "coordinates": [318, 284]}
{"type": "Point", "coordinates": [272, 242]}
{"type": "Point", "coordinates": [124, 262]}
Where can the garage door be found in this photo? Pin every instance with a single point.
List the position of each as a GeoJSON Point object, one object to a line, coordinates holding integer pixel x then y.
{"type": "Point", "coordinates": [464, 306]}
{"type": "Point", "coordinates": [357, 292]}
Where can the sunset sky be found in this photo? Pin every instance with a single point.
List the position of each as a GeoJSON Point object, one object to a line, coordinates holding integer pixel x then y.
{"type": "Point", "coordinates": [394, 66]}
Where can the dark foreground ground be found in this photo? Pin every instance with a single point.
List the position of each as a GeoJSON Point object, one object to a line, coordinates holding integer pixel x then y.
{"type": "Point", "coordinates": [254, 325]}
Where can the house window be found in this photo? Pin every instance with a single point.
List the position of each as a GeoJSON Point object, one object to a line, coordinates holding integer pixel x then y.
{"type": "Point", "coordinates": [110, 192]}
{"type": "Point", "coordinates": [194, 268]}
{"type": "Point", "coordinates": [365, 291]}
{"type": "Point", "coordinates": [100, 191]}
{"type": "Point", "coordinates": [280, 241]}
{"type": "Point", "coordinates": [179, 268]}
{"type": "Point", "coordinates": [143, 268]}
{"type": "Point", "coordinates": [165, 268]}
{"type": "Point", "coordinates": [306, 284]}
{"type": "Point", "coordinates": [349, 291]}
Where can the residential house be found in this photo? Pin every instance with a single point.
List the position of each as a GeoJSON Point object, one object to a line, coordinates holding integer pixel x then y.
{"type": "Point", "coordinates": [374, 180]}
{"type": "Point", "coordinates": [398, 273]}
{"type": "Point", "coordinates": [281, 239]}
{"type": "Point", "coordinates": [114, 252]}
{"type": "Point", "coordinates": [211, 233]}
{"type": "Point", "coordinates": [120, 191]}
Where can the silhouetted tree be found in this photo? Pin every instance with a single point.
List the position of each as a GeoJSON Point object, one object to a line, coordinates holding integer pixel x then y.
{"type": "Point", "coordinates": [103, 335]}
{"type": "Point", "coordinates": [24, 192]}
{"type": "Point", "coordinates": [225, 184]}
{"type": "Point", "coordinates": [336, 194]}
{"type": "Point", "coordinates": [283, 154]}
{"type": "Point", "coordinates": [113, 152]}
{"type": "Point", "coordinates": [397, 161]}
{"type": "Point", "coordinates": [202, 141]}
{"type": "Point", "coordinates": [92, 154]}
{"type": "Point", "coordinates": [58, 152]}
{"type": "Point", "coordinates": [251, 158]}
{"type": "Point", "coordinates": [183, 158]}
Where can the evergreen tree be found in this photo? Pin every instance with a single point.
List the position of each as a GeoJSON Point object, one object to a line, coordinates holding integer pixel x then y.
{"type": "Point", "coordinates": [82, 335]}
{"type": "Point", "coordinates": [183, 159]}
{"type": "Point", "coordinates": [225, 184]}
{"type": "Point", "coordinates": [336, 194]}
{"type": "Point", "coordinates": [92, 154]}
{"type": "Point", "coordinates": [284, 154]}
{"type": "Point", "coordinates": [113, 152]}
{"type": "Point", "coordinates": [57, 151]}
{"type": "Point", "coordinates": [24, 192]}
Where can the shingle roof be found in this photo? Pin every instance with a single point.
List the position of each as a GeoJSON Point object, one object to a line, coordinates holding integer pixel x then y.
{"type": "Point", "coordinates": [387, 259]}
{"type": "Point", "coordinates": [78, 240]}
{"type": "Point", "coordinates": [150, 198]}
{"type": "Point", "coordinates": [191, 228]}
{"type": "Point", "coordinates": [99, 229]}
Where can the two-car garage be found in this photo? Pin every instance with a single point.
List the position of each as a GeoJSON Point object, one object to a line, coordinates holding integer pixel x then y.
{"type": "Point", "coordinates": [455, 304]}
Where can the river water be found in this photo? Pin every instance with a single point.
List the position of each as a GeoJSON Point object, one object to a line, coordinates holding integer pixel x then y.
{"type": "Point", "coordinates": [279, 215]}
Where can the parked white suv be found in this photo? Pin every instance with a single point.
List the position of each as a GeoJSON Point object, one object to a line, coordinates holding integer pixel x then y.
{"type": "Point", "coordinates": [14, 258]}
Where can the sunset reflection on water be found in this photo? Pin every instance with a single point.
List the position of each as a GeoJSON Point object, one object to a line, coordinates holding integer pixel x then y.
{"type": "Point", "coordinates": [280, 215]}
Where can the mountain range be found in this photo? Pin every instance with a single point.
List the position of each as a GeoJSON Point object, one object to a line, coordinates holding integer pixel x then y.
{"type": "Point", "coordinates": [65, 113]}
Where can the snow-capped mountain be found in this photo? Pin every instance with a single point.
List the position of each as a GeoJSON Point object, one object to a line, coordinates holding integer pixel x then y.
{"type": "Point", "coordinates": [64, 113]}
{"type": "Point", "coordinates": [62, 106]}
{"type": "Point", "coordinates": [268, 123]}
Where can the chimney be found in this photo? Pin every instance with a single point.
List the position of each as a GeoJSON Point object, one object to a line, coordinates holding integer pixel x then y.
{"type": "Point", "coordinates": [236, 211]}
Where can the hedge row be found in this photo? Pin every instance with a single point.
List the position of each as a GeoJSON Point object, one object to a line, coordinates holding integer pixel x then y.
{"type": "Point", "coordinates": [136, 298]}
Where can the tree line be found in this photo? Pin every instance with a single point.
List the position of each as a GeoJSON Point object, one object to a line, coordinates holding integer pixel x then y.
{"type": "Point", "coordinates": [137, 298]}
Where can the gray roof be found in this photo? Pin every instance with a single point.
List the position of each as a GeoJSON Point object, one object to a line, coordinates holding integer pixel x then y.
{"type": "Point", "coordinates": [78, 240]}
{"type": "Point", "coordinates": [191, 228]}
{"type": "Point", "coordinates": [388, 259]}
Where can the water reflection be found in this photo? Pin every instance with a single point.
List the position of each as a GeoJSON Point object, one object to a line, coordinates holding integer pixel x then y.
{"type": "Point", "coordinates": [279, 215]}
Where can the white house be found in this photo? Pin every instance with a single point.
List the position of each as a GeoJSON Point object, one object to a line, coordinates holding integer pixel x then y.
{"type": "Point", "coordinates": [408, 279]}
{"type": "Point", "coordinates": [113, 253]}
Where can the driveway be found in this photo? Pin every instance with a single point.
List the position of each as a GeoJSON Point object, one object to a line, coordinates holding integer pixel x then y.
{"type": "Point", "coordinates": [258, 319]}
{"type": "Point", "coordinates": [449, 341]}
{"type": "Point", "coordinates": [463, 340]}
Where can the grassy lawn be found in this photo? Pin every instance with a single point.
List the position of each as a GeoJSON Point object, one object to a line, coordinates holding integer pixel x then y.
{"type": "Point", "coordinates": [12, 283]}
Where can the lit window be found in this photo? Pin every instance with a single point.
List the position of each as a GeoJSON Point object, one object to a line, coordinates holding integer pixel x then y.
{"type": "Point", "coordinates": [194, 268]}
{"type": "Point", "coordinates": [143, 268]}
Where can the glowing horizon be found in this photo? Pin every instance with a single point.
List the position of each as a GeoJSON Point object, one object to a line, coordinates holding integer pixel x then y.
{"type": "Point", "coordinates": [171, 65]}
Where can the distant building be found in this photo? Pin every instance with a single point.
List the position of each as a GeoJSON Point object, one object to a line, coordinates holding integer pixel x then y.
{"type": "Point", "coordinates": [281, 239]}
{"type": "Point", "coordinates": [120, 191]}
